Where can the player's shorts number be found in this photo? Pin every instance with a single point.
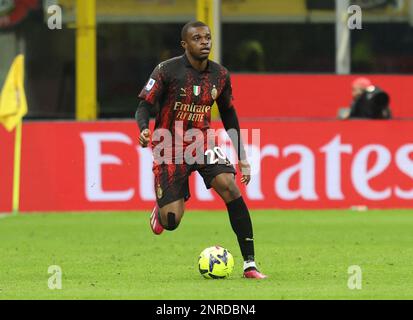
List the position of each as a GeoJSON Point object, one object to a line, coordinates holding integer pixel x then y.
{"type": "Point", "coordinates": [216, 155]}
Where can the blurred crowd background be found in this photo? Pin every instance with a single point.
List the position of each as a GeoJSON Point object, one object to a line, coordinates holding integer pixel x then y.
{"type": "Point", "coordinates": [133, 36]}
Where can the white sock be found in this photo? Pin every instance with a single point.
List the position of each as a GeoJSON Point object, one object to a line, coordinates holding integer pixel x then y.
{"type": "Point", "coordinates": [249, 264]}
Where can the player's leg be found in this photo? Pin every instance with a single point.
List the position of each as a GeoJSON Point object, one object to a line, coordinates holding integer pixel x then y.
{"type": "Point", "coordinates": [171, 214]}
{"type": "Point", "coordinates": [168, 217]}
{"type": "Point", "coordinates": [224, 184]}
{"type": "Point", "coordinates": [172, 190]}
{"type": "Point", "coordinates": [221, 177]}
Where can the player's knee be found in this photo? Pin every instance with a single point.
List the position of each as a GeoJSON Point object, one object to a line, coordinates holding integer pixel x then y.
{"type": "Point", "coordinates": [231, 190]}
{"type": "Point", "coordinates": [172, 221]}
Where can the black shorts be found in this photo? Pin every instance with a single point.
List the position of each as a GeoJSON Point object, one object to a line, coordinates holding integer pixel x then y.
{"type": "Point", "coordinates": [172, 180]}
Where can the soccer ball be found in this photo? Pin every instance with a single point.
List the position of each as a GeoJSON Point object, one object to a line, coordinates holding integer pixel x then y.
{"type": "Point", "coordinates": [215, 263]}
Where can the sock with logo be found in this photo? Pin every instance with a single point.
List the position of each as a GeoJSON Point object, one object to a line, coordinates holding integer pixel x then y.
{"type": "Point", "coordinates": [240, 219]}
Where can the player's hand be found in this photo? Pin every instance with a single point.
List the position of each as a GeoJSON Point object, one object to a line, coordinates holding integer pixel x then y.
{"type": "Point", "coordinates": [145, 138]}
{"type": "Point", "coordinates": [245, 169]}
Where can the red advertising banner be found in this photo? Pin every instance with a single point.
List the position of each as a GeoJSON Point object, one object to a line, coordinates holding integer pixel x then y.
{"type": "Point", "coordinates": [311, 96]}
{"type": "Point", "coordinates": [6, 169]}
{"type": "Point", "coordinates": [99, 166]}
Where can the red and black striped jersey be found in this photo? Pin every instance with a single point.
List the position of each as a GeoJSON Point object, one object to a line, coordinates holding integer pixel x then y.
{"type": "Point", "coordinates": [185, 96]}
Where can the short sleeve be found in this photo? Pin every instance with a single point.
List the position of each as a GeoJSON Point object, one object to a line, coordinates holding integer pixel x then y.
{"type": "Point", "coordinates": [225, 99]}
{"type": "Point", "coordinates": [155, 86]}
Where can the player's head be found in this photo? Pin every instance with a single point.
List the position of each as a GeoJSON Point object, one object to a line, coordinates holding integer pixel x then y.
{"type": "Point", "coordinates": [359, 86]}
{"type": "Point", "coordinates": [196, 40]}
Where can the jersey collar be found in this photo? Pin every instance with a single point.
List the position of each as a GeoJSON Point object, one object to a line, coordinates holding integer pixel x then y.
{"type": "Point", "coordinates": [189, 65]}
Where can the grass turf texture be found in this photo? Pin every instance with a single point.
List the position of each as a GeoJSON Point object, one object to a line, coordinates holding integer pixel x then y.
{"type": "Point", "coordinates": [115, 256]}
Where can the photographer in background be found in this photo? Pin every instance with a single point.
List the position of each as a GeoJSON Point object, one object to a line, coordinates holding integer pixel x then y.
{"type": "Point", "coordinates": [369, 102]}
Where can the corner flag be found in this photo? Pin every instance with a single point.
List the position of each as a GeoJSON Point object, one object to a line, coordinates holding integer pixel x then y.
{"type": "Point", "coordinates": [13, 103]}
{"type": "Point", "coordinates": [13, 107]}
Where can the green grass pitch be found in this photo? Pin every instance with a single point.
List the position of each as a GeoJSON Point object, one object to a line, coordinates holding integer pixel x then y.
{"type": "Point", "coordinates": [306, 255]}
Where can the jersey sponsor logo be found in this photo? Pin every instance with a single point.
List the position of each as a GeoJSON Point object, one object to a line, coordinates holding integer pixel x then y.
{"type": "Point", "coordinates": [191, 112]}
{"type": "Point", "coordinates": [150, 84]}
{"type": "Point", "coordinates": [183, 92]}
{"type": "Point", "coordinates": [197, 90]}
{"type": "Point", "coordinates": [179, 106]}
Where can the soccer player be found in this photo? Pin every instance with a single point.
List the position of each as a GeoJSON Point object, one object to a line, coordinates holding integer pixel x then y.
{"type": "Point", "coordinates": [185, 88]}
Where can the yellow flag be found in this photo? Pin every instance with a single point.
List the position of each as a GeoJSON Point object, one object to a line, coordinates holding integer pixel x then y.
{"type": "Point", "coordinates": [13, 103]}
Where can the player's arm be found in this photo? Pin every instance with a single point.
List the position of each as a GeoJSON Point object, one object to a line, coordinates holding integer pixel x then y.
{"type": "Point", "coordinates": [142, 116]}
{"type": "Point", "coordinates": [149, 95]}
{"type": "Point", "coordinates": [231, 124]}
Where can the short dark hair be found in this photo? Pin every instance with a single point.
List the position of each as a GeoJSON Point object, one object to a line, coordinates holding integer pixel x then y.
{"type": "Point", "coordinates": [191, 24]}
